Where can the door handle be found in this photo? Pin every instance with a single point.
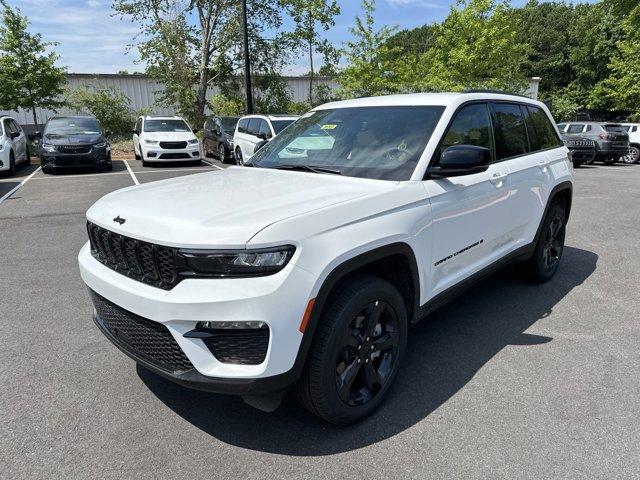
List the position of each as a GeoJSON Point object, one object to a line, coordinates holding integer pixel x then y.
{"type": "Point", "coordinates": [498, 178]}
{"type": "Point", "coordinates": [544, 164]}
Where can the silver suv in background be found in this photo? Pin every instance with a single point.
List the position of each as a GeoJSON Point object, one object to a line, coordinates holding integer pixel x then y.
{"type": "Point", "coordinates": [611, 139]}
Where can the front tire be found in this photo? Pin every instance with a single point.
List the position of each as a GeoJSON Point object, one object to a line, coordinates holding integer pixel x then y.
{"type": "Point", "coordinates": [222, 153]}
{"type": "Point", "coordinates": [544, 262]}
{"type": "Point", "coordinates": [239, 159]}
{"type": "Point", "coordinates": [357, 351]}
{"type": "Point", "coordinates": [12, 163]}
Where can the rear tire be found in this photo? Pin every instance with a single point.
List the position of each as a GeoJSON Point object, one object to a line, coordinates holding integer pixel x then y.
{"type": "Point", "coordinates": [544, 262]}
{"type": "Point", "coordinates": [222, 153]}
{"type": "Point", "coordinates": [356, 352]}
{"type": "Point", "coordinates": [633, 156]}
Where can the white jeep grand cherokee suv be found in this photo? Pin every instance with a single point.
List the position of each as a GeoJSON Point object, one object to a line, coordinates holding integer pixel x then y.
{"type": "Point", "coordinates": [307, 269]}
{"type": "Point", "coordinates": [165, 139]}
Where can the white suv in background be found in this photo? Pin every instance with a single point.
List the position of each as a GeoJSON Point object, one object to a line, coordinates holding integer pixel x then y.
{"type": "Point", "coordinates": [254, 129]}
{"type": "Point", "coordinates": [165, 139]}
{"type": "Point", "coordinates": [13, 145]}
{"type": "Point", "coordinates": [633, 129]}
{"type": "Point", "coordinates": [307, 269]}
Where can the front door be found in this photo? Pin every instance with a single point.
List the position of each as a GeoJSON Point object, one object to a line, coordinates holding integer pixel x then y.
{"type": "Point", "coordinates": [468, 211]}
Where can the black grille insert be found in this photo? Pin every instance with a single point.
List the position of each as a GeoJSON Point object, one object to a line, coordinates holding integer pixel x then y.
{"type": "Point", "coordinates": [142, 338]}
{"type": "Point", "coordinates": [148, 263]}
{"type": "Point", "coordinates": [174, 156]}
{"type": "Point", "coordinates": [71, 149]}
{"type": "Point", "coordinates": [173, 145]}
{"type": "Point", "coordinates": [240, 347]}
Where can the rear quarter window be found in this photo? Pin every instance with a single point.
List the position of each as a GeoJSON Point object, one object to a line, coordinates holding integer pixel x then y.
{"type": "Point", "coordinates": [545, 133]}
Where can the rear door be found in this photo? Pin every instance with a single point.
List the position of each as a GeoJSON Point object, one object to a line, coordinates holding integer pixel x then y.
{"type": "Point", "coordinates": [20, 142]}
{"type": "Point", "coordinates": [468, 211]}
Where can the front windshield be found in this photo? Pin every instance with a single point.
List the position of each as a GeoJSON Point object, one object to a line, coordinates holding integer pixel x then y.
{"type": "Point", "coordinates": [229, 123]}
{"type": "Point", "coordinates": [368, 142]}
{"type": "Point", "coordinates": [167, 125]}
{"type": "Point", "coordinates": [279, 125]}
{"type": "Point", "coordinates": [72, 126]}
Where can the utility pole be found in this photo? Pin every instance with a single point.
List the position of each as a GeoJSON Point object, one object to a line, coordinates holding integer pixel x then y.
{"type": "Point", "coordinates": [247, 61]}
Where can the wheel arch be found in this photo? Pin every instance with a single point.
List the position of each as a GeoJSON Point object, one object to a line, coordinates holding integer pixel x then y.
{"type": "Point", "coordinates": [394, 262]}
{"type": "Point", "coordinates": [561, 193]}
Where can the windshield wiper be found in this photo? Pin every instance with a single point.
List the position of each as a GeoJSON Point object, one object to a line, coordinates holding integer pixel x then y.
{"type": "Point", "coordinates": [308, 168]}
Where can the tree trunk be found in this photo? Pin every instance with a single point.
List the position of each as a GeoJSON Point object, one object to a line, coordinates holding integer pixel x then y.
{"type": "Point", "coordinates": [203, 74]}
{"type": "Point", "coordinates": [311, 74]}
{"type": "Point", "coordinates": [35, 118]}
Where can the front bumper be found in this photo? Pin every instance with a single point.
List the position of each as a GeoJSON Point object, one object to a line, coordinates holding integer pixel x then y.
{"type": "Point", "coordinates": [95, 158]}
{"type": "Point", "coordinates": [278, 300]}
{"type": "Point", "coordinates": [158, 154]}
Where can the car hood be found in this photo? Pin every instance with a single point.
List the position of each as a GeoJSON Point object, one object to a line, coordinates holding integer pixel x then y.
{"type": "Point", "coordinates": [169, 136]}
{"type": "Point", "coordinates": [223, 209]}
{"type": "Point", "coordinates": [75, 139]}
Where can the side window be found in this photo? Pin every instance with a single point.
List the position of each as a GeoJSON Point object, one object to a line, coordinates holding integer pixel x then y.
{"type": "Point", "coordinates": [510, 131]}
{"type": "Point", "coordinates": [534, 141]}
{"type": "Point", "coordinates": [16, 127]}
{"type": "Point", "coordinates": [588, 129]}
{"type": "Point", "coordinates": [470, 126]}
{"type": "Point", "coordinates": [254, 126]}
{"type": "Point", "coordinates": [545, 133]}
{"type": "Point", "coordinates": [8, 127]}
{"type": "Point", "coordinates": [575, 128]}
{"type": "Point", "coordinates": [264, 128]}
{"type": "Point", "coordinates": [242, 125]}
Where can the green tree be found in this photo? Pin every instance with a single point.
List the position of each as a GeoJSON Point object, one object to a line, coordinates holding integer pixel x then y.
{"type": "Point", "coordinates": [108, 104]}
{"type": "Point", "coordinates": [371, 69]}
{"type": "Point", "coordinates": [475, 47]}
{"type": "Point", "coordinates": [310, 17]}
{"type": "Point", "coordinates": [191, 45]}
{"type": "Point", "coordinates": [29, 76]}
{"type": "Point", "coordinates": [621, 89]}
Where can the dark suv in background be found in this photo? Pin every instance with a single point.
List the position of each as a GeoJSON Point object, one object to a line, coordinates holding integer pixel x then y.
{"type": "Point", "coordinates": [611, 139]}
{"type": "Point", "coordinates": [217, 139]}
{"type": "Point", "coordinates": [74, 142]}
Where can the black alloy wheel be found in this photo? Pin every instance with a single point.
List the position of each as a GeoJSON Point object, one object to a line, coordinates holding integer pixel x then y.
{"type": "Point", "coordinates": [222, 153]}
{"type": "Point", "coordinates": [368, 354]}
{"type": "Point", "coordinates": [553, 243]}
{"type": "Point", "coordinates": [12, 163]}
{"type": "Point", "coordinates": [239, 159]}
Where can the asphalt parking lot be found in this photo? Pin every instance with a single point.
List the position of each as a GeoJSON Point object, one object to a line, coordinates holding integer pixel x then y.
{"type": "Point", "coordinates": [512, 380]}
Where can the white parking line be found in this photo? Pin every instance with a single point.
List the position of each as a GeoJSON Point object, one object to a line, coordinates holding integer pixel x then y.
{"type": "Point", "coordinates": [212, 164]}
{"type": "Point", "coordinates": [17, 187]}
{"type": "Point", "coordinates": [135, 179]}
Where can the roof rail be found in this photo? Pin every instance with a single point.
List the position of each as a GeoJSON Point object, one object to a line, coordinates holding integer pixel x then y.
{"type": "Point", "coordinates": [501, 92]}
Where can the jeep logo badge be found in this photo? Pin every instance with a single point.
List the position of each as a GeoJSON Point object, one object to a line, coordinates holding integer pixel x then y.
{"type": "Point", "coordinates": [119, 220]}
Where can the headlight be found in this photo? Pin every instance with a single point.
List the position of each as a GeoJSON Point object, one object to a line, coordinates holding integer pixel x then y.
{"type": "Point", "coordinates": [47, 147]}
{"type": "Point", "coordinates": [193, 142]}
{"type": "Point", "coordinates": [238, 263]}
{"type": "Point", "coordinates": [100, 145]}
{"type": "Point", "coordinates": [151, 142]}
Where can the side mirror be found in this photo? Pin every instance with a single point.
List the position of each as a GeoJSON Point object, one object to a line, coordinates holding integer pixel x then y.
{"type": "Point", "coordinates": [259, 145]}
{"type": "Point", "coordinates": [15, 135]}
{"type": "Point", "coordinates": [134, 131]}
{"type": "Point", "coordinates": [262, 136]}
{"type": "Point", "coordinates": [459, 160]}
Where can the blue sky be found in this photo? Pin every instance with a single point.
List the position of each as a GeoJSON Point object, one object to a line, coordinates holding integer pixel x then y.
{"type": "Point", "coordinates": [91, 40]}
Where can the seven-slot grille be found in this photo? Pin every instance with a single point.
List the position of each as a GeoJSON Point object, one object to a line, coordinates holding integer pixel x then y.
{"type": "Point", "coordinates": [580, 143]}
{"type": "Point", "coordinates": [74, 148]}
{"type": "Point", "coordinates": [148, 263]}
{"type": "Point", "coordinates": [173, 145]}
{"type": "Point", "coordinates": [142, 338]}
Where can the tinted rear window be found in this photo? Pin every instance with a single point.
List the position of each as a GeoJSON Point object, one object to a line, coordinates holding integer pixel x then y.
{"type": "Point", "coordinates": [614, 128]}
{"type": "Point", "coordinates": [279, 125]}
{"type": "Point", "coordinates": [511, 136]}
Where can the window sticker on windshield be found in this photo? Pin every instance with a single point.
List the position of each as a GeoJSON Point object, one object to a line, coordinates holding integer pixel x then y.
{"type": "Point", "coordinates": [329, 126]}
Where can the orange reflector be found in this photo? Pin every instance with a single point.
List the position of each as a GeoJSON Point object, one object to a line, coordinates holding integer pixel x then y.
{"type": "Point", "coordinates": [307, 315]}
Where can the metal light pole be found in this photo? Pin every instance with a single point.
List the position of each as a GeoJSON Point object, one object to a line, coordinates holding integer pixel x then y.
{"type": "Point", "coordinates": [247, 61]}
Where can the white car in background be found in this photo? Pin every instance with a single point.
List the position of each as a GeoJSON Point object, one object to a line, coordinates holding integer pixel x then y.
{"type": "Point", "coordinates": [165, 139]}
{"type": "Point", "coordinates": [254, 129]}
{"type": "Point", "coordinates": [633, 129]}
{"type": "Point", "coordinates": [13, 145]}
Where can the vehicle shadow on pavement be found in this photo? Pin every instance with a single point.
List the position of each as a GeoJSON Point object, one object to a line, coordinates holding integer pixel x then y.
{"type": "Point", "coordinates": [445, 351]}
